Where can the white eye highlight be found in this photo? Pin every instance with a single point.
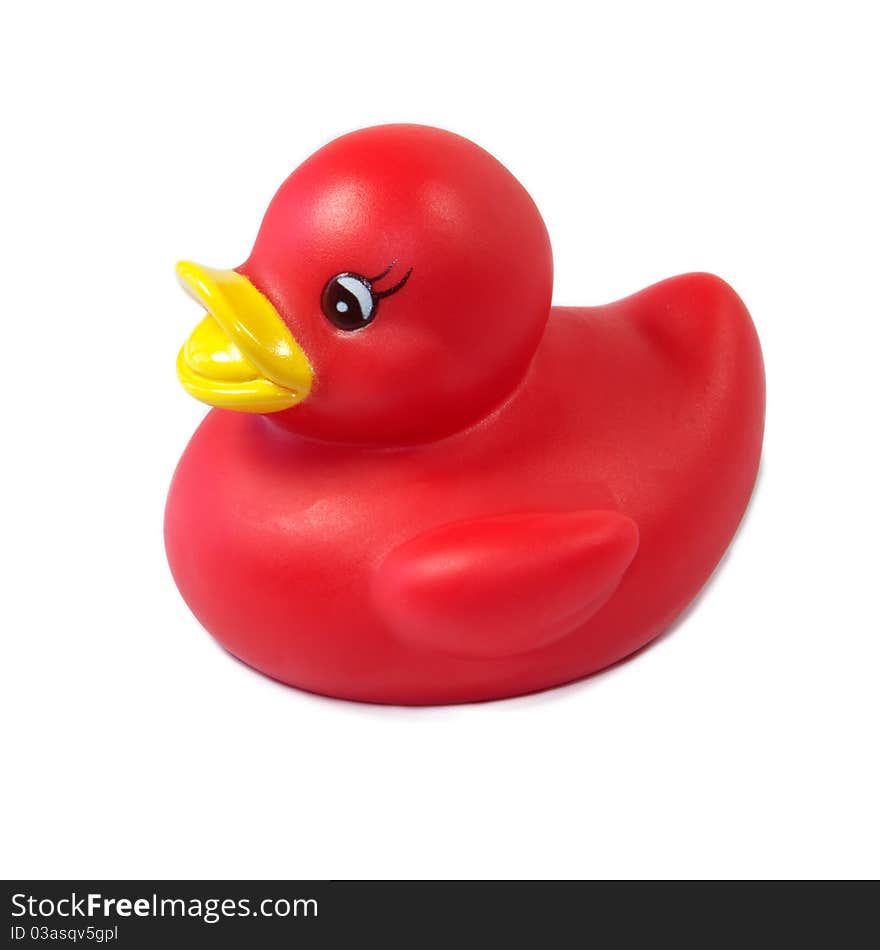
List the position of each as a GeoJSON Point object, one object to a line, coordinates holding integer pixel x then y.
{"type": "Point", "coordinates": [359, 290]}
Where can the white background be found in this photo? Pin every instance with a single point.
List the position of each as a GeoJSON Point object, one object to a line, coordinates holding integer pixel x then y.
{"type": "Point", "coordinates": [656, 139]}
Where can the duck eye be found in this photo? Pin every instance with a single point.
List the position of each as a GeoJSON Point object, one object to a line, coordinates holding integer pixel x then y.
{"type": "Point", "coordinates": [347, 301]}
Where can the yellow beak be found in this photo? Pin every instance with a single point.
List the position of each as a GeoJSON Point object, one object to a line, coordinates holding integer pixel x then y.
{"type": "Point", "coordinates": [241, 356]}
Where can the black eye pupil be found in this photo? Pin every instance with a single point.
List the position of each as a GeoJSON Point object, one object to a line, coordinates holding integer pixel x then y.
{"type": "Point", "coordinates": [347, 301]}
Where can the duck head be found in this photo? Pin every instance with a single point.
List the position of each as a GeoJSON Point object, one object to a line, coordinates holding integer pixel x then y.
{"type": "Point", "coordinates": [397, 291]}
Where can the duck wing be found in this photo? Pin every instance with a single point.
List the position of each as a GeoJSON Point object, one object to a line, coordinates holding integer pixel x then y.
{"type": "Point", "coordinates": [505, 584]}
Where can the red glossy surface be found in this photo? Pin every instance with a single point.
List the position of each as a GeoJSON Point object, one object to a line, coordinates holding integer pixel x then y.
{"type": "Point", "coordinates": [589, 471]}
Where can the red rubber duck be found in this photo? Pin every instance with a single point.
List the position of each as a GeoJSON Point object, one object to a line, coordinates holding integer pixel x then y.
{"type": "Point", "coordinates": [436, 487]}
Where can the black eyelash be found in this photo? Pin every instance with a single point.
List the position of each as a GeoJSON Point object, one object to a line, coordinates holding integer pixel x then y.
{"type": "Point", "coordinates": [385, 273]}
{"type": "Point", "coordinates": [381, 294]}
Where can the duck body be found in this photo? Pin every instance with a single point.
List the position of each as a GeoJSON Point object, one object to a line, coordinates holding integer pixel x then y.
{"type": "Point", "coordinates": [556, 534]}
